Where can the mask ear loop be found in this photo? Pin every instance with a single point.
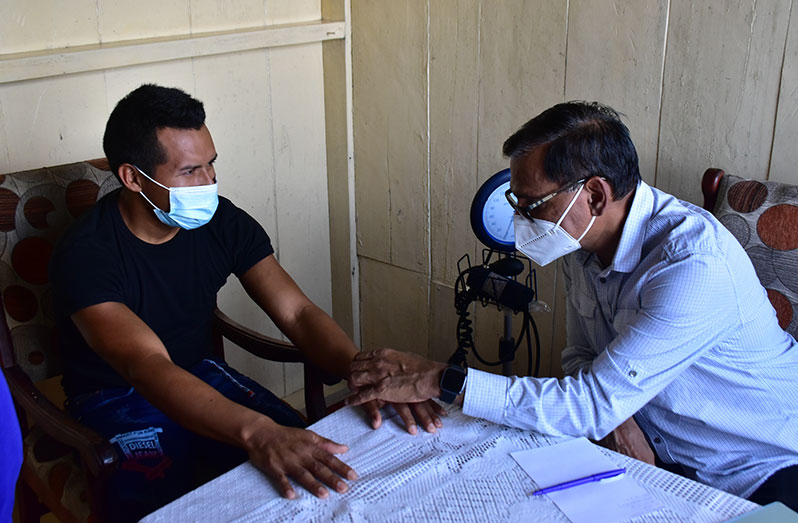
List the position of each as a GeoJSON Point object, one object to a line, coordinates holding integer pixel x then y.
{"type": "Point", "coordinates": [150, 178]}
{"type": "Point", "coordinates": [573, 201]}
{"type": "Point", "coordinates": [156, 183]}
{"type": "Point", "coordinates": [567, 209]}
{"type": "Point", "coordinates": [589, 225]}
{"type": "Point", "coordinates": [150, 202]}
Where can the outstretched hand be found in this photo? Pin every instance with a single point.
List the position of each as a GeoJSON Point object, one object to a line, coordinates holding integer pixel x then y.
{"type": "Point", "coordinates": [283, 452]}
{"type": "Point", "coordinates": [393, 376]}
{"type": "Point", "coordinates": [425, 413]}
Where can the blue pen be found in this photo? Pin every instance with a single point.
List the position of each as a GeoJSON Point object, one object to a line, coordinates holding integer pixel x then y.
{"type": "Point", "coordinates": [581, 481]}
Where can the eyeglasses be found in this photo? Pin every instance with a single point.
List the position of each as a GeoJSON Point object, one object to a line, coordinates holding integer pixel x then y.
{"type": "Point", "coordinates": [526, 211]}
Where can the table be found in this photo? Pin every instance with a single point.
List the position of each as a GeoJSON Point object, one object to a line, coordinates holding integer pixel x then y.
{"type": "Point", "coordinates": [462, 473]}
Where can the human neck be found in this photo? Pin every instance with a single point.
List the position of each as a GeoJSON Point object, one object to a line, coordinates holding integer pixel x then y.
{"type": "Point", "coordinates": [612, 229]}
{"type": "Point", "coordinates": [141, 221]}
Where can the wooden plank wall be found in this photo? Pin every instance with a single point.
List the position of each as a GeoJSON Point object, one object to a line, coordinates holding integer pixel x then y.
{"type": "Point", "coordinates": [439, 85]}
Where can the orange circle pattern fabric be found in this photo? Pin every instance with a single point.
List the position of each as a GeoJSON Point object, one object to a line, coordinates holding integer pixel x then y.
{"type": "Point", "coordinates": [747, 195]}
{"type": "Point", "coordinates": [35, 208]}
{"type": "Point", "coordinates": [20, 303]}
{"type": "Point", "coordinates": [8, 209]}
{"type": "Point", "coordinates": [763, 216]}
{"type": "Point", "coordinates": [29, 258]}
{"type": "Point", "coordinates": [776, 227]}
{"type": "Point", "coordinates": [782, 306]}
{"type": "Point", "coordinates": [80, 196]}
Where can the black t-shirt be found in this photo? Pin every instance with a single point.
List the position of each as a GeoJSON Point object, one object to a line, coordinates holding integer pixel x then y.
{"type": "Point", "coordinates": [172, 286]}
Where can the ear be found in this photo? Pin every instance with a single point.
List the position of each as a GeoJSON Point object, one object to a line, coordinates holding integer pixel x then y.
{"type": "Point", "coordinates": [599, 195]}
{"type": "Point", "coordinates": [130, 177]}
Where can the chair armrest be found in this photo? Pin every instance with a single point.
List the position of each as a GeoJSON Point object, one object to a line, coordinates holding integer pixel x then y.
{"type": "Point", "coordinates": [96, 452]}
{"type": "Point", "coordinates": [709, 186]}
{"type": "Point", "coordinates": [277, 350]}
{"type": "Point", "coordinates": [254, 342]}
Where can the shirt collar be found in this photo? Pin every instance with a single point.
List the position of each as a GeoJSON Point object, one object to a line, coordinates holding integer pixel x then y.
{"type": "Point", "coordinates": [627, 255]}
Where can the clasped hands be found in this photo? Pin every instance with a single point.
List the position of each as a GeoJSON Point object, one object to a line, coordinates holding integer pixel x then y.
{"type": "Point", "coordinates": [403, 380]}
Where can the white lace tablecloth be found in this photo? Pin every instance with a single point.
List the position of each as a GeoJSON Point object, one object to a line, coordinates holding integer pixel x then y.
{"type": "Point", "coordinates": [462, 473]}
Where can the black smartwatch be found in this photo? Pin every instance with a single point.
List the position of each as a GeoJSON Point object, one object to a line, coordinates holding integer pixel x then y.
{"type": "Point", "coordinates": [453, 382]}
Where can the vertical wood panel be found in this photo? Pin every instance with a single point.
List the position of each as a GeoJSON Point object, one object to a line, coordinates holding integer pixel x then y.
{"type": "Point", "coordinates": [335, 80]}
{"type": "Point", "coordinates": [522, 72]}
{"type": "Point", "coordinates": [5, 153]}
{"type": "Point", "coordinates": [142, 19]}
{"type": "Point", "coordinates": [442, 338]}
{"type": "Point", "coordinates": [120, 81]}
{"type": "Point", "coordinates": [454, 126]}
{"type": "Point", "coordinates": [52, 121]}
{"type": "Point", "coordinates": [291, 11]}
{"type": "Point", "coordinates": [336, 118]}
{"type": "Point", "coordinates": [491, 70]}
{"type": "Point", "coordinates": [300, 167]}
{"type": "Point", "coordinates": [389, 69]}
{"type": "Point", "coordinates": [394, 307]}
{"type": "Point", "coordinates": [784, 159]}
{"type": "Point", "coordinates": [221, 15]}
{"type": "Point", "coordinates": [301, 172]}
{"type": "Point", "coordinates": [32, 25]}
{"type": "Point", "coordinates": [239, 122]}
{"type": "Point", "coordinates": [719, 99]}
{"type": "Point", "coordinates": [615, 53]}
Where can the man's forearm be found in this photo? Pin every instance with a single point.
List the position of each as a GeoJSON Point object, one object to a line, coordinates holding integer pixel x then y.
{"type": "Point", "coordinates": [324, 342]}
{"type": "Point", "coordinates": [194, 404]}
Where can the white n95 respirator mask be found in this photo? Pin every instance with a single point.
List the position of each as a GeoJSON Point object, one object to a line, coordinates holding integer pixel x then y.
{"type": "Point", "coordinates": [543, 241]}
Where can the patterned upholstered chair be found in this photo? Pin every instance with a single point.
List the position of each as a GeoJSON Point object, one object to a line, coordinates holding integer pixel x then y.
{"type": "Point", "coordinates": [66, 464]}
{"type": "Point", "coordinates": [763, 216]}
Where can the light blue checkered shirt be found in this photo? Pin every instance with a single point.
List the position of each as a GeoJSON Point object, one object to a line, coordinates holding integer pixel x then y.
{"type": "Point", "coordinates": [678, 332]}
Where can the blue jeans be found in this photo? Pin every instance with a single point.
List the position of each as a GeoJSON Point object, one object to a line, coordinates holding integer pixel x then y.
{"type": "Point", "coordinates": [781, 486]}
{"type": "Point", "coordinates": [160, 460]}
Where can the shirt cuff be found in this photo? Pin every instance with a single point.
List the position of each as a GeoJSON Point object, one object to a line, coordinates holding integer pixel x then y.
{"type": "Point", "coordinates": [485, 395]}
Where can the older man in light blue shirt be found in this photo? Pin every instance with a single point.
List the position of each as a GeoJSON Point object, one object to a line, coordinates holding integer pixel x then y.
{"type": "Point", "coordinates": [678, 332]}
{"type": "Point", "coordinates": [667, 321]}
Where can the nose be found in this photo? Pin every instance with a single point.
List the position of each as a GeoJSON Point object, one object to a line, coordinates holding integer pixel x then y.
{"type": "Point", "coordinates": [208, 175]}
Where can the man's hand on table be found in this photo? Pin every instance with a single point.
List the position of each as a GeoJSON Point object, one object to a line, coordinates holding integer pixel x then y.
{"type": "Point", "coordinates": [283, 452]}
{"type": "Point", "coordinates": [628, 439]}
{"type": "Point", "coordinates": [393, 376]}
{"type": "Point", "coordinates": [425, 413]}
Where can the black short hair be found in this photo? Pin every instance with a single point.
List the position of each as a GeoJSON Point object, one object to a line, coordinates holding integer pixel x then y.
{"type": "Point", "coordinates": [584, 139]}
{"type": "Point", "coordinates": [131, 134]}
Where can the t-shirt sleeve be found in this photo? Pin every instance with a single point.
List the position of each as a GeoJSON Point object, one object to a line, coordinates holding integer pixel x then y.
{"type": "Point", "coordinates": [83, 273]}
{"type": "Point", "coordinates": [248, 241]}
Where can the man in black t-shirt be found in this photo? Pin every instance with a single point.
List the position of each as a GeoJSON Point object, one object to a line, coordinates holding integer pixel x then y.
{"type": "Point", "coordinates": [135, 283]}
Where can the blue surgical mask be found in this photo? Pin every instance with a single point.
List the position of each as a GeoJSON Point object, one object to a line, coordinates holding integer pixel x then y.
{"type": "Point", "coordinates": [189, 207]}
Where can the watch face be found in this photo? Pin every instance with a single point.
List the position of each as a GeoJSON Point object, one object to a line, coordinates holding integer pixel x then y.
{"type": "Point", "coordinates": [491, 214]}
{"type": "Point", "coordinates": [452, 379]}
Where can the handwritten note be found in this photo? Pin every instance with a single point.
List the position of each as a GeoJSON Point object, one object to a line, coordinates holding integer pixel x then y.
{"type": "Point", "coordinates": [616, 499]}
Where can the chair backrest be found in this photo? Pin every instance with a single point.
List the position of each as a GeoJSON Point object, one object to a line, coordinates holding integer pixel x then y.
{"type": "Point", "coordinates": [763, 216]}
{"type": "Point", "coordinates": [35, 208]}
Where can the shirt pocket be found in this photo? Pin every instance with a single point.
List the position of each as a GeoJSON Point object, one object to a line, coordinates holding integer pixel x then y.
{"type": "Point", "coordinates": [585, 305]}
{"type": "Point", "coordinates": [586, 310]}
